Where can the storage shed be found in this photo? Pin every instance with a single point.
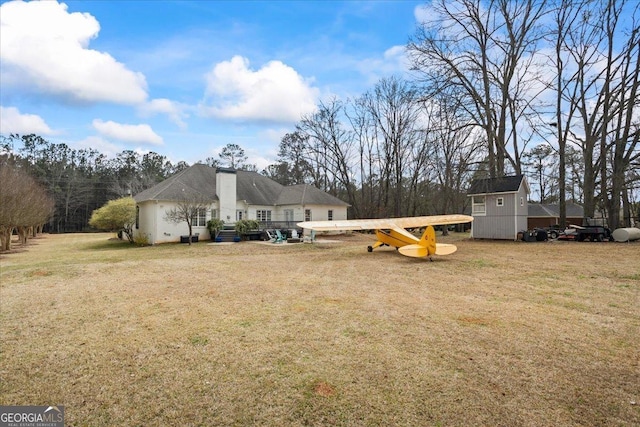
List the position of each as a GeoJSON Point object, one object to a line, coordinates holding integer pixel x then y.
{"type": "Point", "coordinates": [499, 207]}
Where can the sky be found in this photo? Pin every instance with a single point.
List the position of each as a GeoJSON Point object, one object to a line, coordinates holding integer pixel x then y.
{"type": "Point", "coordinates": [186, 78]}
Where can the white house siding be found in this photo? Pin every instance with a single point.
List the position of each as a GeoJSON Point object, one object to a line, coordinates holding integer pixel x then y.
{"type": "Point", "coordinates": [277, 212]}
{"type": "Point", "coordinates": [145, 224]}
{"type": "Point", "coordinates": [298, 213]}
{"type": "Point", "coordinates": [157, 230]}
{"type": "Point", "coordinates": [318, 212]}
{"type": "Point", "coordinates": [321, 212]}
{"type": "Point", "coordinates": [251, 211]}
{"type": "Point", "coordinates": [226, 191]}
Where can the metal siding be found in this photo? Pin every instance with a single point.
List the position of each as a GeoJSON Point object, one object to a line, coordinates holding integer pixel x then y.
{"type": "Point", "coordinates": [522, 210]}
{"type": "Point", "coordinates": [501, 222]}
{"type": "Point", "coordinates": [493, 227]}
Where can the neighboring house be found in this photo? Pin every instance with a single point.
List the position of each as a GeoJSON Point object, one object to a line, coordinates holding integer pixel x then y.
{"type": "Point", "coordinates": [236, 195]}
{"type": "Point", "coordinates": [499, 207]}
{"type": "Point", "coordinates": [543, 215]}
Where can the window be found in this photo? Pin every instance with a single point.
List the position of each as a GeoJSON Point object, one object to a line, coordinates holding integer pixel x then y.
{"type": "Point", "coordinates": [521, 201]}
{"type": "Point", "coordinates": [263, 215]}
{"type": "Point", "coordinates": [330, 215]}
{"type": "Point", "coordinates": [214, 213]}
{"type": "Point", "coordinates": [239, 215]}
{"type": "Point", "coordinates": [307, 214]}
{"type": "Point", "coordinates": [137, 217]}
{"type": "Point", "coordinates": [479, 206]}
{"type": "Point", "coordinates": [199, 218]}
{"type": "Point", "coordinates": [500, 201]}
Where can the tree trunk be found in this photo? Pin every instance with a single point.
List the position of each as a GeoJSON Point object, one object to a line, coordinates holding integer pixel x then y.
{"type": "Point", "coordinates": [5, 238]}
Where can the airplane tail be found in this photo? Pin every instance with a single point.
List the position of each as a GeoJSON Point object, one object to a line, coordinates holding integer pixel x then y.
{"type": "Point", "coordinates": [428, 240]}
{"type": "Point", "coordinates": [427, 246]}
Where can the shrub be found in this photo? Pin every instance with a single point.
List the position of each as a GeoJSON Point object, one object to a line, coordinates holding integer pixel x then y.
{"type": "Point", "coordinates": [141, 240]}
{"type": "Point", "coordinates": [214, 226]}
{"type": "Point", "coordinates": [245, 225]}
{"type": "Point", "coordinates": [117, 215]}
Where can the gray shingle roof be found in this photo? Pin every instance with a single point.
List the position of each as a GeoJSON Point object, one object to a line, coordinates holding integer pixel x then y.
{"type": "Point", "coordinates": [198, 180]}
{"type": "Point", "coordinates": [256, 189]}
{"type": "Point", "coordinates": [305, 194]}
{"type": "Point", "coordinates": [505, 184]}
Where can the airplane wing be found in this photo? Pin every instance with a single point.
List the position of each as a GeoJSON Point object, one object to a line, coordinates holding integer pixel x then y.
{"type": "Point", "coordinates": [385, 223]}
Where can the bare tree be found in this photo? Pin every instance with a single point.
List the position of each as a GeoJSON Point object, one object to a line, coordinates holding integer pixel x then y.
{"type": "Point", "coordinates": [393, 109]}
{"type": "Point", "coordinates": [362, 125]}
{"type": "Point", "coordinates": [600, 98]}
{"type": "Point", "coordinates": [455, 151]}
{"type": "Point", "coordinates": [485, 50]}
{"type": "Point", "coordinates": [24, 204]}
{"type": "Point", "coordinates": [331, 149]}
{"type": "Point", "coordinates": [189, 208]}
{"type": "Point", "coordinates": [623, 135]}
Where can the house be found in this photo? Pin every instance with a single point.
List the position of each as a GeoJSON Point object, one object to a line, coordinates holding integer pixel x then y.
{"type": "Point", "coordinates": [544, 215]}
{"type": "Point", "coordinates": [235, 195]}
{"type": "Point", "coordinates": [499, 207]}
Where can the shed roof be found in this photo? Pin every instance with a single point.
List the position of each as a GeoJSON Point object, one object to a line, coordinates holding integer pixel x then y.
{"type": "Point", "coordinates": [505, 184]}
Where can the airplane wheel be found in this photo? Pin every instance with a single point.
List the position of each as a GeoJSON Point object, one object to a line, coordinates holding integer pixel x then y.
{"type": "Point", "coordinates": [369, 249]}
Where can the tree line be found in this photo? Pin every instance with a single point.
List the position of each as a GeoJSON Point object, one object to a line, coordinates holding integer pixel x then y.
{"type": "Point", "coordinates": [545, 88]}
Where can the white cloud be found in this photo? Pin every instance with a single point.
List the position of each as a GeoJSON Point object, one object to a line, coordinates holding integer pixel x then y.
{"type": "Point", "coordinates": [100, 144]}
{"type": "Point", "coordinates": [173, 110]}
{"type": "Point", "coordinates": [394, 61]}
{"type": "Point", "coordinates": [141, 134]}
{"type": "Point", "coordinates": [44, 48]}
{"type": "Point", "coordinates": [12, 121]}
{"type": "Point", "coordinates": [425, 13]}
{"type": "Point", "coordinates": [275, 92]}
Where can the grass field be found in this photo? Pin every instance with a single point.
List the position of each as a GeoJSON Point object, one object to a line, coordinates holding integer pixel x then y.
{"type": "Point", "coordinates": [497, 334]}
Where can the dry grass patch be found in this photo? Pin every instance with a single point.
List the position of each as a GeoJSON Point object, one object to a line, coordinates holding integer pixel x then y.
{"type": "Point", "coordinates": [500, 333]}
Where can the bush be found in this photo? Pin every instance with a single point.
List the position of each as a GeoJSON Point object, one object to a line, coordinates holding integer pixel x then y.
{"type": "Point", "coordinates": [141, 240]}
{"type": "Point", "coordinates": [214, 226]}
{"type": "Point", "coordinates": [117, 215]}
{"type": "Point", "coordinates": [245, 225]}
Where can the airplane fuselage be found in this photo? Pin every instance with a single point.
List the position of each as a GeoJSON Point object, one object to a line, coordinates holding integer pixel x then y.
{"type": "Point", "coordinates": [395, 239]}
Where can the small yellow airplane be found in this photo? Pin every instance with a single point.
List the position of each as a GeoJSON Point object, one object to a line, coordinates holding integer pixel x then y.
{"type": "Point", "coordinates": [393, 232]}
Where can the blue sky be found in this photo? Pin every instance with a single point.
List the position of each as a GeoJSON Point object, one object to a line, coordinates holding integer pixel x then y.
{"type": "Point", "coordinates": [185, 78]}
